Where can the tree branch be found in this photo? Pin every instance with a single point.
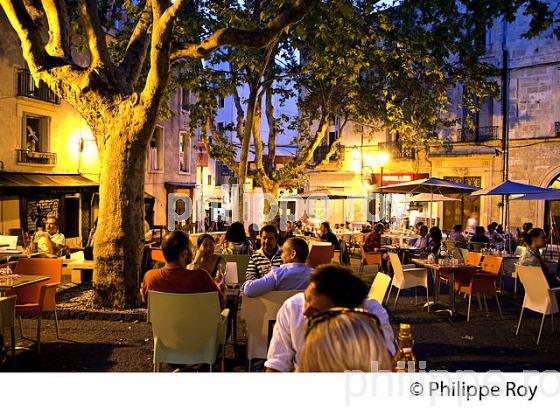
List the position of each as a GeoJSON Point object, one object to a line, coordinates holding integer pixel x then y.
{"type": "Point", "coordinates": [249, 38]}
{"type": "Point", "coordinates": [95, 34]}
{"type": "Point", "coordinates": [134, 57]}
{"type": "Point", "coordinates": [28, 33]}
{"type": "Point", "coordinates": [59, 28]}
{"type": "Point", "coordinates": [240, 114]}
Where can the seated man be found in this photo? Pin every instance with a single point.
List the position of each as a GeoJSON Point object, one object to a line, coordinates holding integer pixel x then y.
{"type": "Point", "coordinates": [480, 236]}
{"type": "Point", "coordinates": [424, 240]}
{"type": "Point", "coordinates": [327, 235]}
{"type": "Point", "coordinates": [51, 240]}
{"type": "Point", "coordinates": [268, 255]}
{"type": "Point", "coordinates": [293, 274]}
{"type": "Point", "coordinates": [373, 240]}
{"type": "Point", "coordinates": [174, 277]}
{"type": "Point", "coordinates": [329, 286]}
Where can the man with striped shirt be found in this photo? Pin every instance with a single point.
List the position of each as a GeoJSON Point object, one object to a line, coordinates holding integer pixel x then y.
{"type": "Point", "coordinates": [267, 256]}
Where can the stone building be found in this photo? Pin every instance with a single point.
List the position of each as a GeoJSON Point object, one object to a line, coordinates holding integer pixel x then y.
{"type": "Point", "coordinates": [49, 160]}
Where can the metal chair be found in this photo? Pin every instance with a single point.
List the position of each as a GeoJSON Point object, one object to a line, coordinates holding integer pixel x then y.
{"type": "Point", "coordinates": [8, 320]}
{"type": "Point", "coordinates": [407, 278]}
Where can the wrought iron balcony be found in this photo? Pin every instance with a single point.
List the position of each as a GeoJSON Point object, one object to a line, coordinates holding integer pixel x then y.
{"type": "Point", "coordinates": [28, 88]}
{"type": "Point", "coordinates": [478, 134]}
{"type": "Point", "coordinates": [25, 156]}
{"type": "Point", "coordinates": [395, 150]}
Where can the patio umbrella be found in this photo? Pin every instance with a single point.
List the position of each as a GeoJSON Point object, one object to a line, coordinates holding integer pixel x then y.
{"type": "Point", "coordinates": [431, 186]}
{"type": "Point", "coordinates": [553, 195]}
{"type": "Point", "coordinates": [430, 198]}
{"type": "Point", "coordinates": [508, 188]}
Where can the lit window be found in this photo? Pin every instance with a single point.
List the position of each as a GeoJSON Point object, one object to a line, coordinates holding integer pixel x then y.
{"type": "Point", "coordinates": [155, 151]}
{"type": "Point", "coordinates": [35, 133]}
{"type": "Point", "coordinates": [184, 152]}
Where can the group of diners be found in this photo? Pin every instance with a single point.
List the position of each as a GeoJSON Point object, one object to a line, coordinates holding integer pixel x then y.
{"type": "Point", "coordinates": [313, 327]}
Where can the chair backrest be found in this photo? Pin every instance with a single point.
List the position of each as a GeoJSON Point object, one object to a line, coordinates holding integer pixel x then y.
{"type": "Point", "coordinates": [476, 246]}
{"type": "Point", "coordinates": [7, 312]}
{"type": "Point", "coordinates": [464, 254]}
{"type": "Point", "coordinates": [156, 254]}
{"type": "Point", "coordinates": [491, 264]}
{"type": "Point", "coordinates": [397, 265]}
{"type": "Point", "coordinates": [473, 258]}
{"type": "Point", "coordinates": [242, 264]}
{"type": "Point", "coordinates": [537, 292]}
{"type": "Point", "coordinates": [450, 244]}
{"type": "Point", "coordinates": [371, 258]}
{"type": "Point", "coordinates": [457, 254]}
{"type": "Point", "coordinates": [185, 326]}
{"type": "Point", "coordinates": [319, 255]}
{"type": "Point", "coordinates": [259, 314]}
{"type": "Point", "coordinates": [51, 267]}
{"type": "Point", "coordinates": [379, 287]}
{"type": "Point", "coordinates": [231, 276]}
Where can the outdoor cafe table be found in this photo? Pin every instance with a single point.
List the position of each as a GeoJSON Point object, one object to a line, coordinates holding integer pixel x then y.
{"type": "Point", "coordinates": [11, 282]}
{"type": "Point", "coordinates": [451, 269]}
{"type": "Point", "coordinates": [402, 251]}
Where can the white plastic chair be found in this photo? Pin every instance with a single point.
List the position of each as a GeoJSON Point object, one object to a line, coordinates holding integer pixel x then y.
{"type": "Point", "coordinates": [407, 278]}
{"type": "Point", "coordinates": [258, 313]}
{"type": "Point", "coordinates": [379, 287]}
{"type": "Point", "coordinates": [188, 328]}
{"type": "Point", "coordinates": [538, 295]}
{"type": "Point", "coordinates": [8, 320]}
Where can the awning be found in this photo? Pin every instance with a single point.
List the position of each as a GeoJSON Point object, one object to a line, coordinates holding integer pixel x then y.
{"type": "Point", "coordinates": [171, 185]}
{"type": "Point", "coordinates": [20, 183]}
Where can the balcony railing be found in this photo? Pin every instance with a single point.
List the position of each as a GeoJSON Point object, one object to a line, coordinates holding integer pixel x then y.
{"type": "Point", "coordinates": [478, 134]}
{"type": "Point", "coordinates": [395, 150]}
{"type": "Point", "coordinates": [27, 88]}
{"type": "Point", "coordinates": [25, 156]}
{"type": "Point", "coordinates": [321, 152]}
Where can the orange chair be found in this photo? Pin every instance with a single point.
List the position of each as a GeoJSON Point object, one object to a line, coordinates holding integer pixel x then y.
{"type": "Point", "coordinates": [473, 258]}
{"type": "Point", "coordinates": [320, 255]}
{"type": "Point", "coordinates": [370, 258]}
{"type": "Point", "coordinates": [483, 283]}
{"type": "Point", "coordinates": [156, 254]}
{"type": "Point", "coordinates": [34, 300]}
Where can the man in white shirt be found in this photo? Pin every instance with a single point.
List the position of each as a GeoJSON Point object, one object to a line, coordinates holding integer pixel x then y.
{"type": "Point", "coordinates": [51, 241]}
{"type": "Point", "coordinates": [329, 286]}
{"type": "Point", "coordinates": [293, 274]}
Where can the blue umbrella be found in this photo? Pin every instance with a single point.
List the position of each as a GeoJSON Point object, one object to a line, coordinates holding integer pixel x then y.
{"type": "Point", "coordinates": [554, 195]}
{"type": "Point", "coordinates": [512, 188]}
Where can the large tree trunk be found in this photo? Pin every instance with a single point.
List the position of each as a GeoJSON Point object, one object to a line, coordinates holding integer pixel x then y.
{"type": "Point", "coordinates": [119, 238]}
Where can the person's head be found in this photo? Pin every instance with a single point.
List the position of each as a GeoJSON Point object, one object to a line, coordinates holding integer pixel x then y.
{"type": "Point", "coordinates": [418, 225]}
{"type": "Point", "coordinates": [294, 250]}
{"type": "Point", "coordinates": [289, 226]}
{"type": "Point", "coordinates": [423, 230]}
{"type": "Point", "coordinates": [536, 238]}
{"type": "Point", "coordinates": [479, 231]}
{"type": "Point", "coordinates": [236, 233]}
{"type": "Point", "coordinates": [325, 348]}
{"type": "Point", "coordinates": [379, 228]}
{"type": "Point", "coordinates": [51, 226]}
{"type": "Point", "coordinates": [336, 226]}
{"type": "Point", "coordinates": [333, 286]}
{"type": "Point", "coordinates": [207, 243]}
{"type": "Point", "coordinates": [269, 238]}
{"type": "Point", "coordinates": [491, 228]}
{"type": "Point", "coordinates": [458, 228]}
{"type": "Point", "coordinates": [253, 230]}
{"type": "Point", "coordinates": [527, 226]}
{"type": "Point", "coordinates": [325, 227]}
{"type": "Point", "coordinates": [500, 228]}
{"type": "Point", "coordinates": [176, 248]}
{"type": "Point", "coordinates": [435, 234]}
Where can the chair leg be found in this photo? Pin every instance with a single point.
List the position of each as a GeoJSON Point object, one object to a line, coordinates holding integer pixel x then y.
{"type": "Point", "coordinates": [223, 364]}
{"type": "Point", "coordinates": [415, 296]}
{"type": "Point", "coordinates": [427, 298]}
{"type": "Point", "coordinates": [499, 307]}
{"type": "Point", "coordinates": [388, 295]}
{"type": "Point", "coordinates": [397, 298]}
{"type": "Point", "coordinates": [39, 335]}
{"type": "Point", "coordinates": [469, 308]}
{"type": "Point", "coordinates": [20, 327]}
{"type": "Point", "coordinates": [157, 367]}
{"type": "Point", "coordinates": [485, 303]}
{"type": "Point", "coordinates": [13, 337]}
{"type": "Point", "coordinates": [540, 330]}
{"type": "Point", "coordinates": [56, 324]}
{"type": "Point", "coordinates": [519, 323]}
{"type": "Point", "coordinates": [479, 301]}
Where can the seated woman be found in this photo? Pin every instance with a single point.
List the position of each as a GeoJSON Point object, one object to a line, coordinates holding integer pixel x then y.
{"type": "Point", "coordinates": [535, 240]}
{"type": "Point", "coordinates": [206, 259]}
{"type": "Point", "coordinates": [328, 336]}
{"type": "Point", "coordinates": [457, 235]}
{"type": "Point", "coordinates": [373, 240]}
{"type": "Point", "coordinates": [236, 242]}
{"type": "Point", "coordinates": [436, 238]}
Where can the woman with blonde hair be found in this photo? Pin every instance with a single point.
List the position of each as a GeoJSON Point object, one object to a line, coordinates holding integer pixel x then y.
{"type": "Point", "coordinates": [342, 339]}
